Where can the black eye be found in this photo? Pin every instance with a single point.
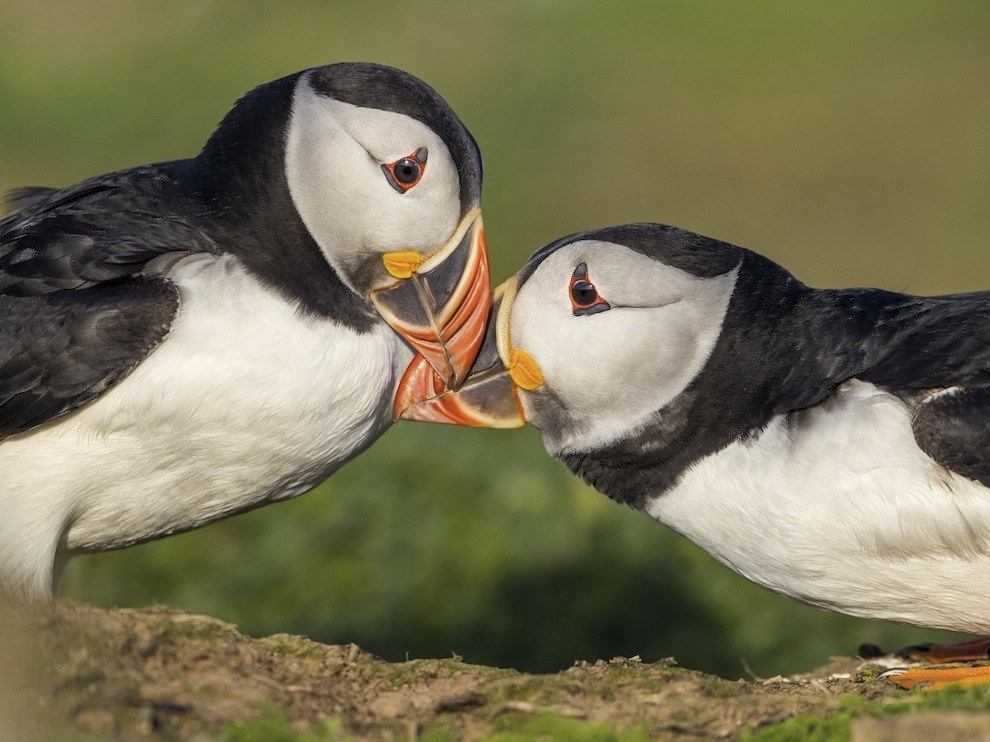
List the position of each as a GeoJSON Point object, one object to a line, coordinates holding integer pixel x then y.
{"type": "Point", "coordinates": [585, 298]}
{"type": "Point", "coordinates": [406, 171]}
{"type": "Point", "coordinates": [583, 293]}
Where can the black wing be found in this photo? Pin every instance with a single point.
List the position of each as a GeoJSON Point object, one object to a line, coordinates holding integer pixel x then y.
{"type": "Point", "coordinates": [935, 352]}
{"type": "Point", "coordinates": [25, 198]}
{"type": "Point", "coordinates": [953, 427]}
{"type": "Point", "coordinates": [914, 347]}
{"type": "Point", "coordinates": [63, 349]}
{"type": "Point", "coordinates": [100, 230]}
{"type": "Point", "coordinates": [77, 312]}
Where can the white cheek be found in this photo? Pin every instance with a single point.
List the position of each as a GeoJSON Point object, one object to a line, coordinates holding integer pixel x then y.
{"type": "Point", "coordinates": [425, 216]}
{"type": "Point", "coordinates": [621, 363]}
{"type": "Point", "coordinates": [614, 369]}
{"type": "Point", "coordinates": [334, 153]}
{"type": "Point", "coordinates": [317, 190]}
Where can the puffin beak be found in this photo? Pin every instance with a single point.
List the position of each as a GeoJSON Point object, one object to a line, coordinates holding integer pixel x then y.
{"type": "Point", "coordinates": [489, 396]}
{"type": "Point", "coordinates": [440, 303]}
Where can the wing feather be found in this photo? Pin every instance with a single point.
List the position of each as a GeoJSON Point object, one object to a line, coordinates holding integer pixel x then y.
{"type": "Point", "coordinates": [61, 350]}
{"type": "Point", "coordinates": [77, 312]}
{"type": "Point", "coordinates": [953, 428]}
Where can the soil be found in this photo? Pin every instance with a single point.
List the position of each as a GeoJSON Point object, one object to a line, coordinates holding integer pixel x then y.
{"type": "Point", "coordinates": [74, 671]}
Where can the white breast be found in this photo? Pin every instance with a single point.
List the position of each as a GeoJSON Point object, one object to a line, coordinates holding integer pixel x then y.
{"type": "Point", "coordinates": [838, 508]}
{"type": "Point", "coordinates": [246, 402]}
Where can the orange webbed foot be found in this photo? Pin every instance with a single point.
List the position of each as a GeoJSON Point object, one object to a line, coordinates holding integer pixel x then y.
{"type": "Point", "coordinates": [939, 678]}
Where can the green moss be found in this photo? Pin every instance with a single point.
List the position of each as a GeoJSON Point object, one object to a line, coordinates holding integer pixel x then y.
{"type": "Point", "coordinates": [296, 646]}
{"type": "Point", "coordinates": [852, 702]}
{"type": "Point", "coordinates": [397, 675]}
{"type": "Point", "coordinates": [274, 726]}
{"type": "Point", "coordinates": [175, 628]}
{"type": "Point", "coordinates": [955, 699]}
{"type": "Point", "coordinates": [949, 699]}
{"type": "Point", "coordinates": [837, 727]}
{"type": "Point", "coordinates": [720, 689]}
{"type": "Point", "coordinates": [869, 674]}
{"type": "Point", "coordinates": [209, 691]}
{"type": "Point", "coordinates": [437, 735]}
{"type": "Point", "coordinates": [550, 726]}
{"type": "Point", "coordinates": [805, 729]}
{"type": "Point", "coordinates": [525, 690]}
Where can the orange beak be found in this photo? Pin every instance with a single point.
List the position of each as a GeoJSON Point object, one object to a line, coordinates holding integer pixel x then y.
{"type": "Point", "coordinates": [440, 305]}
{"type": "Point", "coordinates": [489, 397]}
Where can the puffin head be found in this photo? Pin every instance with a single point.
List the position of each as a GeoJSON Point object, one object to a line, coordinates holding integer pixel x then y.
{"type": "Point", "coordinates": [594, 335]}
{"type": "Point", "coordinates": [375, 186]}
{"type": "Point", "coordinates": [387, 180]}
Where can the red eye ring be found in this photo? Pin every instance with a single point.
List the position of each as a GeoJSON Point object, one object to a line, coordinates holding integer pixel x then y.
{"type": "Point", "coordinates": [585, 298]}
{"type": "Point", "coordinates": [407, 171]}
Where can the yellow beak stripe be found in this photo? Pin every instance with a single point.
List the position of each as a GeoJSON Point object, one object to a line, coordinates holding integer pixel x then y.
{"type": "Point", "coordinates": [524, 372]}
{"type": "Point", "coordinates": [402, 264]}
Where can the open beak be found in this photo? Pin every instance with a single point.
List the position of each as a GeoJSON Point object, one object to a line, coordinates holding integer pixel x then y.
{"type": "Point", "coordinates": [440, 302]}
{"type": "Point", "coordinates": [489, 397]}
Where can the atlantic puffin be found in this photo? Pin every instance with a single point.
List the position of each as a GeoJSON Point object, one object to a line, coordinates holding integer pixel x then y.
{"type": "Point", "coordinates": [830, 445]}
{"type": "Point", "coordinates": [184, 341]}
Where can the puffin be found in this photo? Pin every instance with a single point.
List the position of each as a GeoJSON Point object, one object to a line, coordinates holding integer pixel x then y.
{"type": "Point", "coordinates": [831, 445]}
{"type": "Point", "coordinates": [188, 340]}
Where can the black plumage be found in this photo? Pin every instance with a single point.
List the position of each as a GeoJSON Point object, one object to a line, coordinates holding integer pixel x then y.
{"type": "Point", "coordinates": [79, 310]}
{"type": "Point", "coordinates": [93, 338]}
{"type": "Point", "coordinates": [104, 229]}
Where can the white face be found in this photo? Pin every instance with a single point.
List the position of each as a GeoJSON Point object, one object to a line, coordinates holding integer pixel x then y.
{"type": "Point", "coordinates": [613, 368]}
{"type": "Point", "coordinates": [334, 157]}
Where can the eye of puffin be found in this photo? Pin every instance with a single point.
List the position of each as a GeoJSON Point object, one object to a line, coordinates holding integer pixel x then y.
{"type": "Point", "coordinates": [584, 293]}
{"type": "Point", "coordinates": [407, 171]}
{"type": "Point", "coordinates": [585, 298]}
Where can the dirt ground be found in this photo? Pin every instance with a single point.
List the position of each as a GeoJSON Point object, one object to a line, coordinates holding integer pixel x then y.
{"type": "Point", "coordinates": [74, 671]}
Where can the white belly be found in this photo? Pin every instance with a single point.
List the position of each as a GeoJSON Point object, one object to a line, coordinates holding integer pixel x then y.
{"type": "Point", "coordinates": [245, 402]}
{"type": "Point", "coordinates": [843, 511]}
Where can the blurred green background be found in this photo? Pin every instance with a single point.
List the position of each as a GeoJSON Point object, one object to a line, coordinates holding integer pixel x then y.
{"type": "Point", "coordinates": [848, 141]}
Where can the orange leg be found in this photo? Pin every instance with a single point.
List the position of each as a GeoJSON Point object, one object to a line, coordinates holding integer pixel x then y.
{"type": "Point", "coordinates": [932, 678]}
{"type": "Point", "coordinates": [939, 678]}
